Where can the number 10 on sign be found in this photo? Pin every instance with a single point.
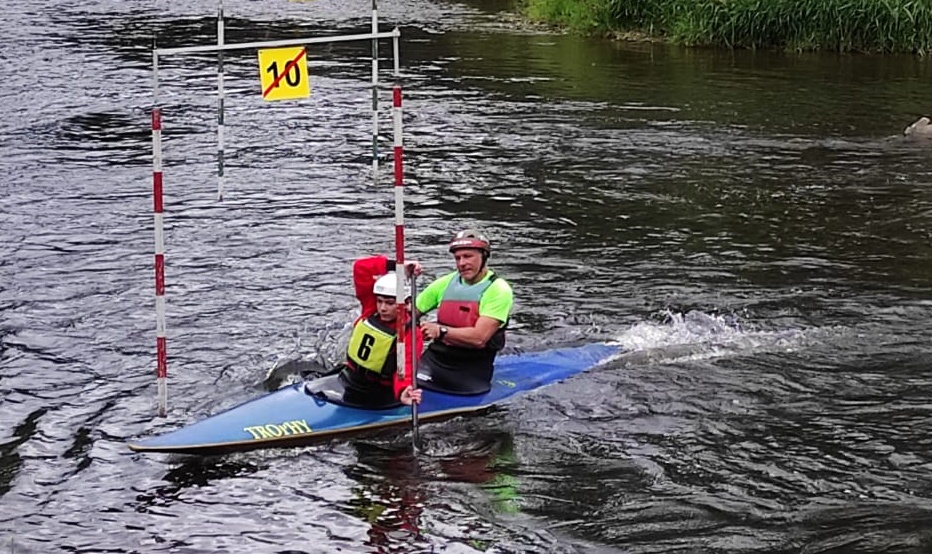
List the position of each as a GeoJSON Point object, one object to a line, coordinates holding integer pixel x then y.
{"type": "Point", "coordinates": [283, 73]}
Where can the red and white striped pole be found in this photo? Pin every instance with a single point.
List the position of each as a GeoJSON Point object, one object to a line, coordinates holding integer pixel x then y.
{"type": "Point", "coordinates": [398, 159]}
{"type": "Point", "coordinates": [160, 342]}
{"type": "Point", "coordinates": [397, 153]}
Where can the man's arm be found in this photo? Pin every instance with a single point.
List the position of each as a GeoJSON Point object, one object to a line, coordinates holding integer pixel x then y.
{"type": "Point", "coordinates": [494, 311]}
{"type": "Point", "coordinates": [429, 298]}
{"type": "Point", "coordinates": [472, 337]}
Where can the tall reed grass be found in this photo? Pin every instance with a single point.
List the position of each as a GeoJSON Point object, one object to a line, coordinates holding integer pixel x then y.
{"type": "Point", "coordinates": [839, 25]}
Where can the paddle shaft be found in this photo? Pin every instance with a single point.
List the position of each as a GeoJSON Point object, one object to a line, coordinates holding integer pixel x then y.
{"type": "Point", "coordinates": [414, 359]}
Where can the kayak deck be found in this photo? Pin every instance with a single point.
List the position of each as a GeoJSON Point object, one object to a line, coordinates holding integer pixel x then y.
{"type": "Point", "coordinates": [292, 417]}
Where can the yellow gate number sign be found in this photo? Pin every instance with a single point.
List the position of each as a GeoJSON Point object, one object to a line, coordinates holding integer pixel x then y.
{"type": "Point", "coordinates": [283, 73]}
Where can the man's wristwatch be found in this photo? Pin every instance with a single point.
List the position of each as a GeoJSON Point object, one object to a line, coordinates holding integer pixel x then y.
{"type": "Point", "coordinates": [443, 332]}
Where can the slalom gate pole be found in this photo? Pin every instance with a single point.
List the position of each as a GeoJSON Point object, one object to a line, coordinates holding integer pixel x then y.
{"type": "Point", "coordinates": [398, 162]}
{"type": "Point", "coordinates": [220, 102]}
{"type": "Point", "coordinates": [375, 100]}
{"type": "Point", "coordinates": [157, 158]}
{"type": "Point", "coordinates": [161, 371]}
{"type": "Point", "coordinates": [273, 43]}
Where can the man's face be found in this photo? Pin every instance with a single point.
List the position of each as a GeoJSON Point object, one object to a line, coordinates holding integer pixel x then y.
{"type": "Point", "coordinates": [468, 263]}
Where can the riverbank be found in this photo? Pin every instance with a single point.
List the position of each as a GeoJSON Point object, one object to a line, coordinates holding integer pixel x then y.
{"type": "Point", "coordinates": [877, 26]}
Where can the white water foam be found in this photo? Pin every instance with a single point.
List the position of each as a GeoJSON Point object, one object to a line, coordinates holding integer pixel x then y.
{"type": "Point", "coordinates": [696, 335]}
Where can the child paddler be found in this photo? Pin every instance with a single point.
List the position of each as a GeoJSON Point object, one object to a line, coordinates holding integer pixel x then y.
{"type": "Point", "coordinates": [369, 377]}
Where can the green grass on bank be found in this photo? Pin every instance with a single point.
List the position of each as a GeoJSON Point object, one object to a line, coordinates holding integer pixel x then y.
{"type": "Point", "coordinates": [839, 25]}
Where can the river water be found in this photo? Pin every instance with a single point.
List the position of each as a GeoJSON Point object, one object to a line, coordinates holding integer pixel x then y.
{"type": "Point", "coordinates": [749, 225]}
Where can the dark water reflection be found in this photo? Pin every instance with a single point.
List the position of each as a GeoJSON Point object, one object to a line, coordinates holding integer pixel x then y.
{"type": "Point", "coordinates": [749, 225]}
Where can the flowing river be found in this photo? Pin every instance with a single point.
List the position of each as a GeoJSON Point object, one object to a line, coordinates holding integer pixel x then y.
{"type": "Point", "coordinates": [751, 226]}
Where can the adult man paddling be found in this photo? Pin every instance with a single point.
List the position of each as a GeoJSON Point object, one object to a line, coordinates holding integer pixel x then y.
{"type": "Point", "coordinates": [369, 378]}
{"type": "Point", "coordinates": [473, 305]}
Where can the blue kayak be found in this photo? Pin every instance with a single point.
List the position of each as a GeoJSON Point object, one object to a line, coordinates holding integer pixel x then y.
{"type": "Point", "coordinates": [291, 416]}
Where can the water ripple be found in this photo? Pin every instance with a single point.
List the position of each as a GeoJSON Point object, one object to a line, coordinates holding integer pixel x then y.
{"type": "Point", "coordinates": [747, 225]}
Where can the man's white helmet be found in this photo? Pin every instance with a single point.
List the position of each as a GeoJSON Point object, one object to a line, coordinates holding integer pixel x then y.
{"type": "Point", "coordinates": [385, 286]}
